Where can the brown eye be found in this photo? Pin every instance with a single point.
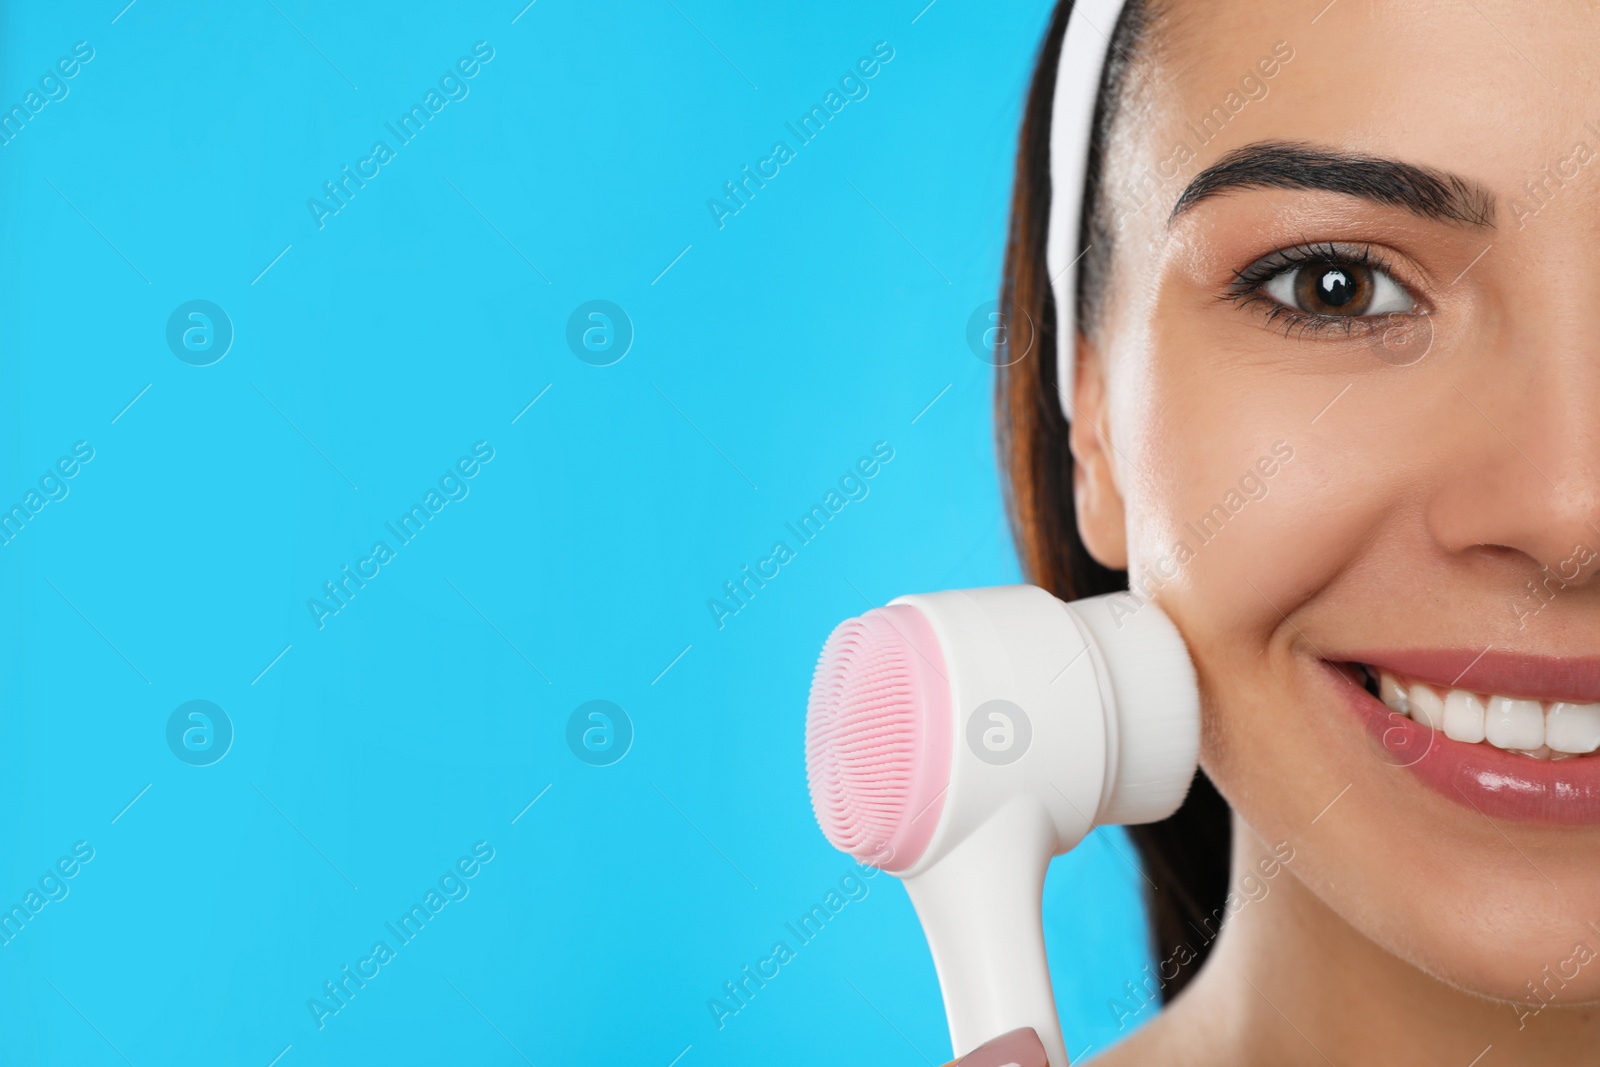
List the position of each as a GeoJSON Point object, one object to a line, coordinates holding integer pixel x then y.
{"type": "Point", "coordinates": [1331, 288]}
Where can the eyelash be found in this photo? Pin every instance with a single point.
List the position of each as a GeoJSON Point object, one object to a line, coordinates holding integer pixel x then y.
{"type": "Point", "coordinates": [1246, 288]}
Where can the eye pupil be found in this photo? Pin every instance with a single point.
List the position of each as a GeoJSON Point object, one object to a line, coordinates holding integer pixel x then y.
{"type": "Point", "coordinates": [1334, 289]}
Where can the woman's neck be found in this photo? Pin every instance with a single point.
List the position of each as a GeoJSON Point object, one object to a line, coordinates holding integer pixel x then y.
{"type": "Point", "coordinates": [1290, 981]}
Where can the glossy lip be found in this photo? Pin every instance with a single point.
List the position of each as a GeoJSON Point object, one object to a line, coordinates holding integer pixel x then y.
{"type": "Point", "coordinates": [1491, 781]}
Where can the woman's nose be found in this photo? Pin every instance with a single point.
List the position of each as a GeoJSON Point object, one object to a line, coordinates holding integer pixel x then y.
{"type": "Point", "coordinates": [1520, 476]}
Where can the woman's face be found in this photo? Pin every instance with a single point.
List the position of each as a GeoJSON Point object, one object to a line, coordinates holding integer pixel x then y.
{"type": "Point", "coordinates": [1351, 416]}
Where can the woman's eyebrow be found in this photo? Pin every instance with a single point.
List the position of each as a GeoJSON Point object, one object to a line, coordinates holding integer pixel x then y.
{"type": "Point", "coordinates": [1423, 191]}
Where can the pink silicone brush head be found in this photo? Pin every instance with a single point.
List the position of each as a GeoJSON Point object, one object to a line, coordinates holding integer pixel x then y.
{"type": "Point", "coordinates": [878, 736]}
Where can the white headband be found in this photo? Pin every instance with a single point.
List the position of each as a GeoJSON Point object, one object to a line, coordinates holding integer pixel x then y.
{"type": "Point", "coordinates": [1083, 55]}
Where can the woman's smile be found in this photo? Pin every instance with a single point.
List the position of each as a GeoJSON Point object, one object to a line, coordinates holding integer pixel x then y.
{"type": "Point", "coordinates": [1517, 745]}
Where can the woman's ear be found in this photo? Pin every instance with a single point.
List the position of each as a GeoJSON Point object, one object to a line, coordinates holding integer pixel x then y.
{"type": "Point", "coordinates": [1095, 489]}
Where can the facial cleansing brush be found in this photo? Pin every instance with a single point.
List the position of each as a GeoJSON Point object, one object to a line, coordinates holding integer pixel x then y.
{"type": "Point", "coordinates": [959, 740]}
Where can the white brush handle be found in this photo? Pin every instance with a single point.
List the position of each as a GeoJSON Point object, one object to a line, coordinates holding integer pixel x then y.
{"type": "Point", "coordinates": [980, 910]}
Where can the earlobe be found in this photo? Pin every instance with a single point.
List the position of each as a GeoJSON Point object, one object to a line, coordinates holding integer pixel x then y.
{"type": "Point", "coordinates": [1095, 488]}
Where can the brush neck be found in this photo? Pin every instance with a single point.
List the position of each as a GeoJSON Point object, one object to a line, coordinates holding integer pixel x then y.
{"type": "Point", "coordinates": [980, 911]}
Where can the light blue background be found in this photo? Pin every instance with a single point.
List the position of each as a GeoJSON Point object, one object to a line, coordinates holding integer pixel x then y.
{"type": "Point", "coordinates": [424, 717]}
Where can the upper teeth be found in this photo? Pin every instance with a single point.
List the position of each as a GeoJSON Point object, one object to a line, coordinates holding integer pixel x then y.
{"type": "Point", "coordinates": [1557, 728]}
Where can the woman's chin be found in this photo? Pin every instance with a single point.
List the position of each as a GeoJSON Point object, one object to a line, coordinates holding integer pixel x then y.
{"type": "Point", "coordinates": [1390, 836]}
{"type": "Point", "coordinates": [1530, 968]}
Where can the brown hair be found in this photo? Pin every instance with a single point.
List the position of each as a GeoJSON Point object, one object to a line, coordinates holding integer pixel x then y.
{"type": "Point", "coordinates": [1185, 857]}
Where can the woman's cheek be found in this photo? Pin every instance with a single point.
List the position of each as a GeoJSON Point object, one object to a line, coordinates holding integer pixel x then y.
{"type": "Point", "coordinates": [1242, 522]}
